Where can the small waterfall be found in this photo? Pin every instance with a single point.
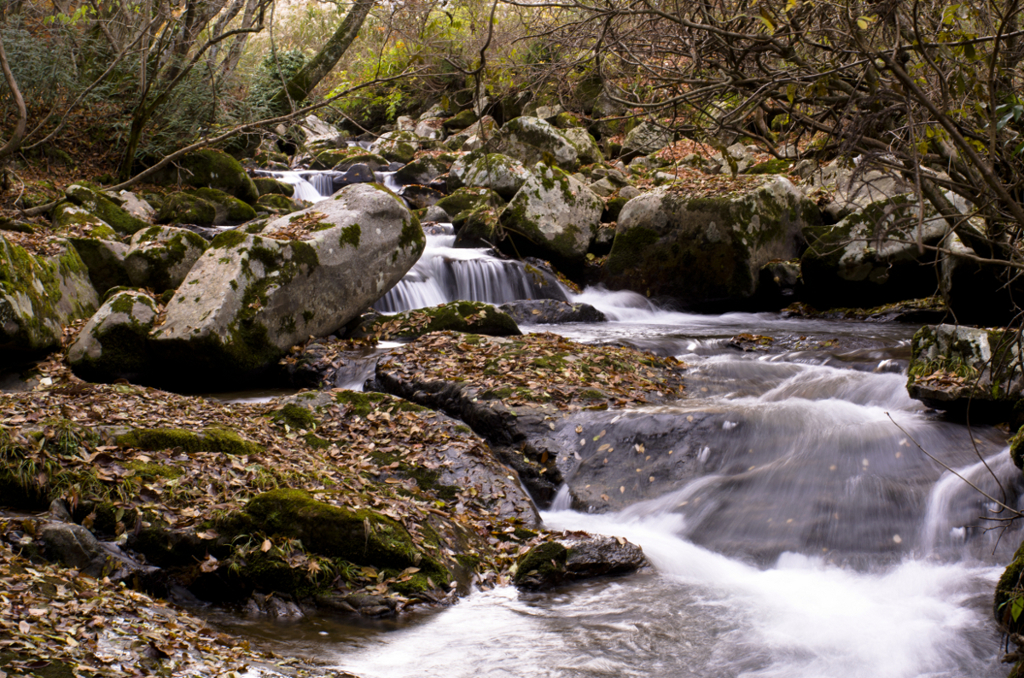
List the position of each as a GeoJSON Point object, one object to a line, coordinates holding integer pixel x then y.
{"type": "Point", "coordinates": [323, 182]}
{"type": "Point", "coordinates": [304, 190]}
{"type": "Point", "coordinates": [445, 273]}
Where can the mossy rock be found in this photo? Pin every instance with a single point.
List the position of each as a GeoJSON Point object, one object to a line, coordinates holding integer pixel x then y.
{"type": "Point", "coordinates": [212, 439]}
{"type": "Point", "coordinates": [363, 537]}
{"type": "Point", "coordinates": [229, 209]}
{"type": "Point", "coordinates": [461, 120]}
{"type": "Point", "coordinates": [478, 227]}
{"type": "Point", "coordinates": [327, 159]}
{"type": "Point", "coordinates": [70, 219]}
{"type": "Point", "coordinates": [114, 344]}
{"type": "Point", "coordinates": [458, 316]}
{"type": "Point", "coordinates": [358, 156]}
{"type": "Point", "coordinates": [773, 166]}
{"type": "Point", "coordinates": [295, 417]}
{"type": "Point", "coordinates": [271, 186]}
{"type": "Point", "coordinates": [210, 168]}
{"type": "Point", "coordinates": [1009, 589]}
{"type": "Point", "coordinates": [102, 206]}
{"type": "Point", "coordinates": [361, 403]}
{"type": "Point", "coordinates": [543, 563]}
{"type": "Point", "coordinates": [397, 146]}
{"type": "Point", "coordinates": [277, 204]}
{"type": "Point", "coordinates": [161, 256]}
{"type": "Point", "coordinates": [470, 198]}
{"type": "Point", "coordinates": [185, 208]}
{"type": "Point", "coordinates": [105, 261]}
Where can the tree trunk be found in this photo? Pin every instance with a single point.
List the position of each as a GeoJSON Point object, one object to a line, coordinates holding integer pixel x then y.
{"type": "Point", "coordinates": [299, 87]}
{"type": "Point", "coordinates": [14, 143]}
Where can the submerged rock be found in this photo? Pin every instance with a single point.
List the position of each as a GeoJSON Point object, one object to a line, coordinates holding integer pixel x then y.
{"type": "Point", "coordinates": [575, 556]}
{"type": "Point", "coordinates": [249, 298]}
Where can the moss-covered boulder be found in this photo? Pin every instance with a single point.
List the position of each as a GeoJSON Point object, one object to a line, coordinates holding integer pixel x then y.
{"type": "Point", "coordinates": [70, 220]}
{"type": "Point", "coordinates": [210, 168]}
{"type": "Point", "coordinates": [706, 252]}
{"type": "Point", "coordinates": [532, 140]}
{"type": "Point", "coordinates": [477, 227]}
{"type": "Point", "coordinates": [1009, 596]}
{"type": "Point", "coordinates": [468, 199]}
{"type": "Point", "coordinates": [105, 261]}
{"type": "Point", "coordinates": [574, 557]}
{"type": "Point", "coordinates": [271, 186]}
{"type": "Point", "coordinates": [277, 204]}
{"type": "Point", "coordinates": [364, 537]}
{"type": "Point", "coordinates": [423, 170]}
{"type": "Point", "coordinates": [115, 342]}
{"type": "Point", "coordinates": [954, 367]}
{"type": "Point", "coordinates": [646, 138]}
{"type": "Point", "coordinates": [228, 210]}
{"type": "Point", "coordinates": [482, 130]}
{"type": "Point", "coordinates": [458, 316]}
{"type": "Point", "coordinates": [38, 296]}
{"type": "Point", "coordinates": [186, 208]}
{"type": "Point", "coordinates": [397, 146]}
{"type": "Point", "coordinates": [500, 173]}
{"type": "Point", "coordinates": [461, 120]}
{"type": "Point", "coordinates": [871, 257]}
{"type": "Point", "coordinates": [212, 439]}
{"type": "Point", "coordinates": [551, 311]}
{"type": "Point", "coordinates": [106, 208]}
{"type": "Point", "coordinates": [586, 147]}
{"type": "Point", "coordinates": [554, 216]}
{"type": "Point", "coordinates": [249, 298]}
{"type": "Point", "coordinates": [161, 256]}
{"type": "Point", "coordinates": [357, 156]}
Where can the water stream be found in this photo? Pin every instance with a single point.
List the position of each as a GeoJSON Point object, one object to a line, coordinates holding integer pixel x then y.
{"type": "Point", "coordinates": [818, 540]}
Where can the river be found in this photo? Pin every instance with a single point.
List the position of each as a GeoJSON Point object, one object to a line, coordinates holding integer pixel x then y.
{"type": "Point", "coordinates": [819, 539]}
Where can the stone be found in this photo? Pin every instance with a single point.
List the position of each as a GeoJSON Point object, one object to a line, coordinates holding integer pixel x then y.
{"type": "Point", "coordinates": [357, 156]}
{"type": "Point", "coordinates": [75, 546]}
{"type": "Point", "coordinates": [954, 367]}
{"type": "Point", "coordinates": [852, 189]}
{"type": "Point", "coordinates": [186, 208]}
{"type": "Point", "coordinates": [647, 138]}
{"type": "Point", "coordinates": [228, 210]}
{"type": "Point", "coordinates": [706, 252]}
{"type": "Point", "coordinates": [466, 199]}
{"type": "Point", "coordinates": [976, 292]}
{"type": "Point", "coordinates": [419, 197]}
{"type": "Point", "coordinates": [319, 134]}
{"type": "Point", "coordinates": [397, 146]}
{"type": "Point", "coordinates": [551, 311]}
{"type": "Point", "coordinates": [275, 203]}
{"type": "Point", "coordinates": [209, 168]}
{"type": "Point", "coordinates": [576, 556]}
{"type": "Point", "coordinates": [586, 147]}
{"type": "Point", "coordinates": [531, 140]}
{"type": "Point", "coordinates": [461, 120]}
{"type": "Point", "coordinates": [271, 186]}
{"type": "Point", "coordinates": [68, 219]}
{"type": "Point", "coordinates": [105, 261]}
{"type": "Point", "coordinates": [38, 297]}
{"type": "Point", "coordinates": [474, 317]}
{"type": "Point", "coordinates": [436, 214]}
{"type": "Point", "coordinates": [549, 113]}
{"type": "Point", "coordinates": [871, 257]}
{"type": "Point", "coordinates": [249, 298]}
{"type": "Point", "coordinates": [553, 216]}
{"type": "Point", "coordinates": [484, 129]}
{"type": "Point", "coordinates": [135, 206]}
{"type": "Point", "coordinates": [105, 208]}
{"type": "Point", "coordinates": [431, 129]}
{"type": "Point", "coordinates": [422, 170]}
{"type": "Point", "coordinates": [114, 344]}
{"type": "Point", "coordinates": [356, 174]}
{"type": "Point", "coordinates": [161, 256]}
{"type": "Point", "coordinates": [500, 173]}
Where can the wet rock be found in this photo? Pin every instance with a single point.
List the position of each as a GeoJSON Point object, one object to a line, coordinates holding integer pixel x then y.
{"type": "Point", "coordinates": [501, 174]}
{"type": "Point", "coordinates": [249, 298]}
{"type": "Point", "coordinates": [550, 311]}
{"type": "Point", "coordinates": [871, 257]}
{"type": "Point", "coordinates": [358, 173]}
{"type": "Point", "coordinates": [75, 546]}
{"type": "Point", "coordinates": [114, 344]}
{"type": "Point", "coordinates": [458, 316]}
{"type": "Point", "coordinates": [419, 197]}
{"type": "Point", "coordinates": [468, 199]}
{"type": "Point", "coordinates": [271, 186]}
{"type": "Point", "coordinates": [976, 292]}
{"type": "Point", "coordinates": [38, 296]}
{"type": "Point", "coordinates": [576, 556]}
{"type": "Point", "coordinates": [553, 216]}
{"type": "Point", "coordinates": [955, 367]}
{"type": "Point", "coordinates": [436, 214]}
{"type": "Point", "coordinates": [423, 170]}
{"type": "Point", "coordinates": [161, 256]}
{"type": "Point", "coordinates": [706, 253]}
{"type": "Point", "coordinates": [357, 156]}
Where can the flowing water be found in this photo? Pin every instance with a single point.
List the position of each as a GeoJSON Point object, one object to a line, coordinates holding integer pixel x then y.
{"type": "Point", "coordinates": [825, 535]}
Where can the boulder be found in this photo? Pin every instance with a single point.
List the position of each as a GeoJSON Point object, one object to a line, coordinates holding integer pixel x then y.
{"type": "Point", "coordinates": [976, 292]}
{"type": "Point", "coordinates": [551, 311]}
{"type": "Point", "coordinates": [186, 208]}
{"type": "Point", "coordinates": [586, 147]}
{"type": "Point", "coordinates": [278, 204]}
{"type": "Point", "coordinates": [209, 168]}
{"type": "Point", "coordinates": [106, 208]}
{"type": "Point", "coordinates": [358, 173]}
{"type": "Point", "coordinates": [647, 138]}
{"type": "Point", "coordinates": [38, 296]}
{"type": "Point", "coordinates": [420, 197]}
{"type": "Point", "coordinates": [466, 199]}
{"type": "Point", "coordinates": [422, 170]}
{"type": "Point", "coordinates": [357, 156]}
{"type": "Point", "coordinates": [706, 252]}
{"type": "Point", "coordinates": [228, 210]}
{"type": "Point", "coordinates": [70, 220]}
{"type": "Point", "coordinates": [271, 186]}
{"type": "Point", "coordinates": [575, 556]}
{"type": "Point", "coordinates": [853, 189]}
{"type": "Point", "coordinates": [317, 134]}
{"type": "Point", "coordinates": [105, 261]}
{"type": "Point", "coordinates": [114, 344]}
{"type": "Point", "coordinates": [484, 129]}
{"type": "Point", "coordinates": [473, 317]}
{"type": "Point", "coordinates": [955, 368]}
{"type": "Point", "coordinates": [161, 256]}
{"type": "Point", "coordinates": [871, 257]}
{"type": "Point", "coordinates": [500, 173]}
{"type": "Point", "coordinates": [461, 120]}
{"type": "Point", "coordinates": [75, 546]}
{"type": "Point", "coordinates": [397, 146]}
{"type": "Point", "coordinates": [553, 216]}
{"type": "Point", "coordinates": [249, 298]}
{"type": "Point", "coordinates": [532, 140]}
{"type": "Point", "coordinates": [133, 205]}
{"type": "Point", "coordinates": [431, 129]}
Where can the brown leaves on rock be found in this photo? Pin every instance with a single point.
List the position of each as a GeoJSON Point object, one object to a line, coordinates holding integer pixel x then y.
{"type": "Point", "coordinates": [541, 368]}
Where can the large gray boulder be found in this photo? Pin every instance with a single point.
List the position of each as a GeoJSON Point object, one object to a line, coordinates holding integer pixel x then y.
{"type": "Point", "coordinates": [397, 146]}
{"type": "Point", "coordinates": [38, 296]}
{"type": "Point", "coordinates": [105, 207]}
{"type": "Point", "coordinates": [483, 130]}
{"type": "Point", "coordinates": [553, 216]}
{"type": "Point", "coordinates": [586, 147]}
{"type": "Point", "coordinates": [872, 256]}
{"type": "Point", "coordinates": [114, 344]}
{"type": "Point", "coordinates": [532, 140]}
{"type": "Point", "coordinates": [646, 138]}
{"type": "Point", "coordinates": [161, 256]}
{"type": "Point", "coordinates": [500, 173]}
{"type": "Point", "coordinates": [209, 168]}
{"type": "Point", "coordinates": [706, 252]}
{"type": "Point", "coordinates": [105, 261]}
{"type": "Point", "coordinates": [249, 298]}
{"type": "Point", "coordinates": [70, 220]}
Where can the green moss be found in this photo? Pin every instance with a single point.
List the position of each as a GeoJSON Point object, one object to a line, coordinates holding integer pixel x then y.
{"type": "Point", "coordinates": [1010, 588]}
{"type": "Point", "coordinates": [237, 211]}
{"type": "Point", "coordinates": [545, 560]}
{"type": "Point", "coordinates": [458, 316]}
{"type": "Point", "coordinates": [630, 248]}
{"type": "Point", "coordinates": [296, 417]}
{"type": "Point", "coordinates": [773, 166]}
{"type": "Point", "coordinates": [361, 404]}
{"type": "Point", "coordinates": [350, 236]}
{"type": "Point", "coordinates": [269, 186]}
{"type": "Point", "coordinates": [364, 537]}
{"type": "Point", "coordinates": [149, 471]}
{"type": "Point", "coordinates": [213, 439]}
